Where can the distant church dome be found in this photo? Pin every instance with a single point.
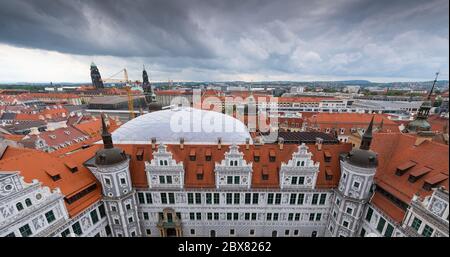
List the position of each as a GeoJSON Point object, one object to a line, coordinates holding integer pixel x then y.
{"type": "Point", "coordinates": [194, 125]}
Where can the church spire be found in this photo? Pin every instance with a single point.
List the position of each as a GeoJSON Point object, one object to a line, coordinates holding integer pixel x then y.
{"type": "Point", "coordinates": [106, 136]}
{"type": "Point", "coordinates": [367, 137]}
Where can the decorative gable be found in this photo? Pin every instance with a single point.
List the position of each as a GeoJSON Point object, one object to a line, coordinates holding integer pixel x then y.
{"type": "Point", "coordinates": [163, 171]}
{"type": "Point", "coordinates": [300, 171]}
{"type": "Point", "coordinates": [233, 171]}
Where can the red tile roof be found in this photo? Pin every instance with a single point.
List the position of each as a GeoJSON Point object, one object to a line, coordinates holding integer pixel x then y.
{"type": "Point", "coordinates": [396, 149]}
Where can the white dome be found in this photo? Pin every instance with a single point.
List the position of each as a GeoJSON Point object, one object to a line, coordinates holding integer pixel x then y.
{"type": "Point", "coordinates": [194, 125]}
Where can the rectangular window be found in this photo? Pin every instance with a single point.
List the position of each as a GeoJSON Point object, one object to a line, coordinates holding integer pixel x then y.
{"type": "Point", "coordinates": [297, 217]}
{"type": "Point", "coordinates": [254, 216]}
{"type": "Point", "coordinates": [363, 232]}
{"type": "Point", "coordinates": [208, 198]}
{"type": "Point", "coordinates": [25, 230]}
{"type": "Point", "coordinates": [349, 211]}
{"type": "Point", "coordinates": [101, 210]}
{"type": "Point", "coordinates": [247, 216]}
{"type": "Point", "coordinates": [269, 216]}
{"type": "Point", "coordinates": [345, 224]}
{"type": "Point", "coordinates": [248, 198]}
{"type": "Point", "coordinates": [148, 231]}
{"type": "Point", "coordinates": [77, 228]}
{"type": "Point", "coordinates": [293, 199]}
{"type": "Point", "coordinates": [369, 214]}
{"type": "Point", "coordinates": [237, 180]}
{"type": "Point", "coordinates": [229, 180]}
{"type": "Point", "coordinates": [235, 216]}
{"type": "Point", "coordinates": [145, 215]}
{"type": "Point", "coordinates": [94, 216]}
{"type": "Point", "coordinates": [169, 179]}
{"type": "Point", "coordinates": [108, 230]}
{"type": "Point", "coordinates": [311, 217]}
{"type": "Point", "coordinates": [389, 230]}
{"type": "Point", "coordinates": [255, 198]}
{"type": "Point", "coordinates": [148, 196]}
{"type": "Point", "coordinates": [50, 216]}
{"type": "Point", "coordinates": [236, 198]}
{"type": "Point", "coordinates": [130, 219]}
{"type": "Point", "coordinates": [275, 216]}
{"type": "Point", "coordinates": [162, 180]}
{"type": "Point", "coordinates": [315, 199]}
{"type": "Point", "coordinates": [229, 198]}
{"type": "Point", "coordinates": [190, 198]}
{"type": "Point", "coordinates": [301, 198]}
{"type": "Point", "coordinates": [199, 216]}
{"type": "Point", "coordinates": [270, 198]}
{"type": "Point", "coordinates": [216, 198]}
{"type": "Point", "coordinates": [163, 198]}
{"type": "Point", "coordinates": [171, 198]}
{"type": "Point", "coordinates": [301, 180]}
{"type": "Point", "coordinates": [122, 181]}
{"type": "Point", "coordinates": [323, 198]}
{"type": "Point", "coordinates": [65, 233]}
{"type": "Point", "coordinates": [381, 224]}
{"type": "Point", "coordinates": [416, 224]}
{"type": "Point", "coordinates": [192, 216]}
{"type": "Point", "coordinates": [141, 198]}
{"type": "Point", "coordinates": [198, 198]}
{"type": "Point", "coordinates": [216, 216]}
{"type": "Point", "coordinates": [277, 198]}
{"type": "Point", "coordinates": [427, 231]}
{"type": "Point", "coordinates": [318, 216]}
{"type": "Point", "coordinates": [294, 181]}
{"type": "Point", "coordinates": [229, 216]}
{"type": "Point", "coordinates": [209, 216]}
{"type": "Point", "coordinates": [290, 216]}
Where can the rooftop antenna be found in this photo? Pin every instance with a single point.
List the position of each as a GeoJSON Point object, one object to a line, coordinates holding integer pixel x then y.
{"type": "Point", "coordinates": [432, 88]}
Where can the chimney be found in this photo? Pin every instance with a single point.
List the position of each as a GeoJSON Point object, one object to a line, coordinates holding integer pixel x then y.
{"type": "Point", "coordinates": [153, 143]}
{"type": "Point", "coordinates": [247, 143]}
{"type": "Point", "coordinates": [219, 143]}
{"type": "Point", "coordinates": [319, 142]}
{"type": "Point", "coordinates": [281, 142]}
{"type": "Point", "coordinates": [181, 143]}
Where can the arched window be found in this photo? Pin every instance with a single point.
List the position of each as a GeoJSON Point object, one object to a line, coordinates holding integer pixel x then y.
{"type": "Point", "coordinates": [212, 233]}
{"type": "Point", "coordinates": [166, 163]}
{"type": "Point", "coordinates": [235, 163]}
{"type": "Point", "coordinates": [314, 234]}
{"type": "Point", "coordinates": [302, 163]}
{"type": "Point", "coordinates": [28, 202]}
{"type": "Point", "coordinates": [231, 163]}
{"type": "Point", "coordinates": [298, 163]}
{"type": "Point", "coordinates": [161, 162]}
{"type": "Point", "coordinates": [274, 233]}
{"type": "Point", "coordinates": [19, 206]}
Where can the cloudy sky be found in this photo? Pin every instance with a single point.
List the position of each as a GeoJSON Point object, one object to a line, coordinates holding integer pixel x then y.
{"type": "Point", "coordinates": [251, 40]}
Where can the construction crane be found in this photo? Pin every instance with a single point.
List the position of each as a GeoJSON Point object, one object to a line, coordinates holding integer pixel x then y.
{"type": "Point", "coordinates": [127, 88]}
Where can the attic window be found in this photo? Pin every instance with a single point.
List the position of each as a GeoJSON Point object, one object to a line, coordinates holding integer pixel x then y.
{"type": "Point", "coordinates": [415, 175]}
{"type": "Point", "coordinates": [434, 181]}
{"type": "Point", "coordinates": [265, 173]}
{"type": "Point", "coordinates": [71, 166]}
{"type": "Point", "coordinates": [140, 154]}
{"type": "Point", "coordinates": [404, 167]}
{"type": "Point", "coordinates": [327, 156]}
{"type": "Point", "coordinates": [192, 155]}
{"type": "Point", "coordinates": [328, 173]}
{"type": "Point", "coordinates": [208, 154]}
{"type": "Point", "coordinates": [256, 156]}
{"type": "Point", "coordinates": [199, 173]}
{"type": "Point", "coordinates": [53, 174]}
{"type": "Point", "coordinates": [272, 156]}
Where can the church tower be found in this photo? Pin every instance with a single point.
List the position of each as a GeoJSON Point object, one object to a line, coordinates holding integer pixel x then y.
{"type": "Point", "coordinates": [95, 76]}
{"type": "Point", "coordinates": [147, 87]}
{"type": "Point", "coordinates": [420, 123]}
{"type": "Point", "coordinates": [111, 167]}
{"type": "Point", "coordinates": [358, 169]}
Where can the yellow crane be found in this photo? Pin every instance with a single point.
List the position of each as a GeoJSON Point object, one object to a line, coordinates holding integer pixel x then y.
{"type": "Point", "coordinates": [127, 88]}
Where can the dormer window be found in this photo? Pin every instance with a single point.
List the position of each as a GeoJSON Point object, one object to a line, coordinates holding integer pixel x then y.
{"type": "Point", "coordinates": [208, 155]}
{"type": "Point", "coordinates": [256, 156]}
{"type": "Point", "coordinates": [140, 155]}
{"type": "Point", "coordinates": [272, 156]}
{"type": "Point", "coordinates": [192, 155]}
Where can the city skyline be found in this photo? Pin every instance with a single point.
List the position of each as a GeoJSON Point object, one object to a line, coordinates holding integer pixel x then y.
{"type": "Point", "coordinates": [42, 41]}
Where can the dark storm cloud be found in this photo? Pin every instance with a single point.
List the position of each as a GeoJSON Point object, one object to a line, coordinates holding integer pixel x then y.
{"type": "Point", "coordinates": [349, 37]}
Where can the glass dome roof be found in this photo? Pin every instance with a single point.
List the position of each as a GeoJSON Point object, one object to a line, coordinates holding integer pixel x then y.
{"type": "Point", "coordinates": [194, 125]}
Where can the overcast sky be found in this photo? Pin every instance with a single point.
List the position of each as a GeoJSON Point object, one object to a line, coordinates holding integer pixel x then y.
{"type": "Point", "coordinates": [251, 40]}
